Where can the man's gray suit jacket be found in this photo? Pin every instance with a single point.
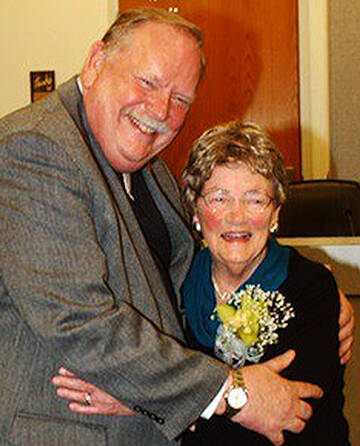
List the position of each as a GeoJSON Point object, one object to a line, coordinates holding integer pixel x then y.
{"type": "Point", "coordinates": [79, 288]}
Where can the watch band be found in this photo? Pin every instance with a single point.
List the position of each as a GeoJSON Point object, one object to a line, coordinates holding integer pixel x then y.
{"type": "Point", "coordinates": [238, 379]}
{"type": "Point", "coordinates": [230, 411]}
{"type": "Point", "coordinates": [238, 387]}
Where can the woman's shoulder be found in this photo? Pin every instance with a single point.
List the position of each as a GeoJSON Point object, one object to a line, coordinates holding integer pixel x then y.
{"type": "Point", "coordinates": [310, 280]}
{"type": "Point", "coordinates": [307, 268]}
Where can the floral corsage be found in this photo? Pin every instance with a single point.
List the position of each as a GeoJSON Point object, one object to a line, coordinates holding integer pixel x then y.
{"type": "Point", "coordinates": [249, 321]}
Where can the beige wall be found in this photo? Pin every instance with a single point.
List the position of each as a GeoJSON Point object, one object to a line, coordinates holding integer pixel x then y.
{"type": "Point", "coordinates": [45, 35]}
{"type": "Point", "coordinates": [55, 35]}
{"type": "Point", "coordinates": [329, 33]}
{"type": "Point", "coordinates": [344, 20]}
{"type": "Point", "coordinates": [314, 88]}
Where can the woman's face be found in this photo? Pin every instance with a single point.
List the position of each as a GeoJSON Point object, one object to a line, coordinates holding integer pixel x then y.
{"type": "Point", "coordinates": [235, 212]}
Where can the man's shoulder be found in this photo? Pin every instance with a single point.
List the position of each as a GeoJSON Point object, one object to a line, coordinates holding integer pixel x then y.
{"type": "Point", "coordinates": [41, 117]}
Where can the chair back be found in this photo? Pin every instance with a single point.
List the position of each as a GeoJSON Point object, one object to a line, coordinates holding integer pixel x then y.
{"type": "Point", "coordinates": [321, 208]}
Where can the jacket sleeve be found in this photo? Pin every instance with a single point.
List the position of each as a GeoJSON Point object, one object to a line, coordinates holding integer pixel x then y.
{"type": "Point", "coordinates": [55, 274]}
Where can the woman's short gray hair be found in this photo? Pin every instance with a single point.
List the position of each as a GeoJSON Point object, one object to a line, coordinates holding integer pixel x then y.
{"type": "Point", "coordinates": [228, 144]}
{"type": "Point", "coordinates": [131, 18]}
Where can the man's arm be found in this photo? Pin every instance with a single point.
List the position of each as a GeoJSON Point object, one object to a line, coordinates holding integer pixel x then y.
{"type": "Point", "coordinates": [275, 404]}
{"type": "Point", "coordinates": [57, 275]}
{"type": "Point", "coordinates": [346, 325]}
{"type": "Point", "coordinates": [346, 328]}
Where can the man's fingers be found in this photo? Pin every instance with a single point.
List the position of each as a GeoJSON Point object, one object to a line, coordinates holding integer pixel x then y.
{"type": "Point", "coordinates": [280, 362]}
{"type": "Point", "coordinates": [346, 331]}
{"type": "Point", "coordinates": [304, 411]}
{"type": "Point", "coordinates": [347, 328]}
{"type": "Point", "coordinates": [345, 346]}
{"type": "Point", "coordinates": [278, 439]}
{"type": "Point", "coordinates": [296, 425]}
{"type": "Point", "coordinates": [307, 390]}
{"type": "Point", "coordinates": [347, 325]}
{"type": "Point", "coordinates": [346, 310]}
{"type": "Point", "coordinates": [345, 358]}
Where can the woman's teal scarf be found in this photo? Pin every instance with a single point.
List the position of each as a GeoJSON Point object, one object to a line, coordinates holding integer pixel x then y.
{"type": "Point", "coordinates": [199, 294]}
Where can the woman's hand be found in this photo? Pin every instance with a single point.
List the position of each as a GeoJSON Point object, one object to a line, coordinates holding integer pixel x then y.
{"type": "Point", "coordinates": [85, 398]}
{"type": "Point", "coordinates": [346, 328]}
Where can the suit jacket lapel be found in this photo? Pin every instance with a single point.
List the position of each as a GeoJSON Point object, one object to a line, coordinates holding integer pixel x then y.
{"type": "Point", "coordinates": [147, 265]}
{"type": "Point", "coordinates": [182, 242]}
{"type": "Point", "coordinates": [70, 97]}
{"type": "Point", "coordinates": [156, 304]}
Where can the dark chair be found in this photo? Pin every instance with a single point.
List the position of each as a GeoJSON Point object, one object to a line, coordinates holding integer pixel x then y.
{"type": "Point", "coordinates": [320, 208]}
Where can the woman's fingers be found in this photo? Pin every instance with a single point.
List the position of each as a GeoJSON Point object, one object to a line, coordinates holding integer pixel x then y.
{"type": "Point", "coordinates": [64, 372]}
{"type": "Point", "coordinates": [87, 410]}
{"type": "Point", "coordinates": [85, 398]}
{"type": "Point", "coordinates": [71, 382]}
{"type": "Point", "coordinates": [73, 395]}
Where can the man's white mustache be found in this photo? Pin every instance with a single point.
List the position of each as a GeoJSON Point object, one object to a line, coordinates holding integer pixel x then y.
{"type": "Point", "coordinates": [146, 123]}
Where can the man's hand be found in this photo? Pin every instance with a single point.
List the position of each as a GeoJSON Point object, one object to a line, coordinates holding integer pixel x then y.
{"type": "Point", "coordinates": [346, 328]}
{"type": "Point", "coordinates": [275, 404]}
{"type": "Point", "coordinates": [76, 390]}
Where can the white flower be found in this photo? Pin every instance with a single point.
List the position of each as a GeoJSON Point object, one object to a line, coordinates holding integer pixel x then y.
{"type": "Point", "coordinates": [249, 322]}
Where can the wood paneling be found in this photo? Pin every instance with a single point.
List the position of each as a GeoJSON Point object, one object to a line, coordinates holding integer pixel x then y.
{"type": "Point", "coordinates": [251, 48]}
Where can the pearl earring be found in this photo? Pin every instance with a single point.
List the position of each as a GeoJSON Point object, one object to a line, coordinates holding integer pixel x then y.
{"type": "Point", "coordinates": [197, 226]}
{"type": "Point", "coordinates": [274, 227]}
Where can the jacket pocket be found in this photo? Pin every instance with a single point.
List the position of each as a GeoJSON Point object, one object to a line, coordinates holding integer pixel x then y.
{"type": "Point", "coordinates": [39, 430]}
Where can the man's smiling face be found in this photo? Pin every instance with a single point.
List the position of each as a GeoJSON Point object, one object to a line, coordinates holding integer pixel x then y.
{"type": "Point", "coordinates": [137, 97]}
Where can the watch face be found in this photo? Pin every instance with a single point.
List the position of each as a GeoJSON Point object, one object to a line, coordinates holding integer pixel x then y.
{"type": "Point", "coordinates": [237, 398]}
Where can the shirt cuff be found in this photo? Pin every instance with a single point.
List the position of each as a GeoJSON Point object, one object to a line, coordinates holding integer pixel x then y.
{"type": "Point", "coordinates": [210, 409]}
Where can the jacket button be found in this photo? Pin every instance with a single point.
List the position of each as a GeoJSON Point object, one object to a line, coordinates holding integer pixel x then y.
{"type": "Point", "coordinates": [138, 409]}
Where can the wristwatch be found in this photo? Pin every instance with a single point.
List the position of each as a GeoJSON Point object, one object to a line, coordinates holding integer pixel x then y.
{"type": "Point", "coordinates": [237, 395]}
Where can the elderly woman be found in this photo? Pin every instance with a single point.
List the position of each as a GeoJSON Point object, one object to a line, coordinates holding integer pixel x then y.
{"type": "Point", "coordinates": [247, 298]}
{"type": "Point", "coordinates": [234, 188]}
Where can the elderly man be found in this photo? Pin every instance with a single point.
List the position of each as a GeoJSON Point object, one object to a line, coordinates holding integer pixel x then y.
{"type": "Point", "coordinates": [92, 258]}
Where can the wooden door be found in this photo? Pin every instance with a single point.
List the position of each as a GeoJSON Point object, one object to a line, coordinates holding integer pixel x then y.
{"type": "Point", "coordinates": [251, 47]}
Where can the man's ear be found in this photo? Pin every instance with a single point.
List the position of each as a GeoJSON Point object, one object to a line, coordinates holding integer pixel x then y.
{"type": "Point", "coordinates": [93, 64]}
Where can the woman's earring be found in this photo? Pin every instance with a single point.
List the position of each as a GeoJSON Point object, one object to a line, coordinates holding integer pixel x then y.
{"type": "Point", "coordinates": [274, 227]}
{"type": "Point", "coordinates": [197, 226]}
